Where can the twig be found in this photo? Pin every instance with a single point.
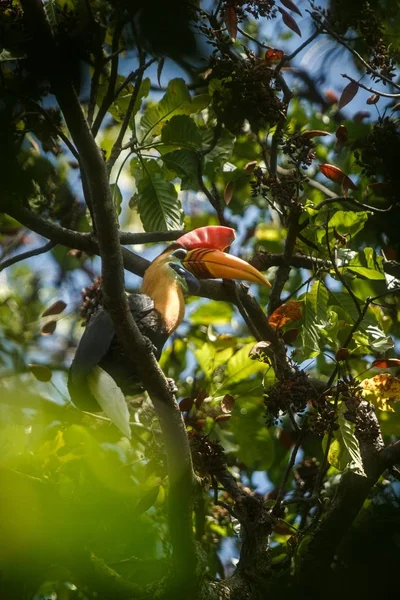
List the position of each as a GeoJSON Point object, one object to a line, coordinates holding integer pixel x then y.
{"type": "Point", "coordinates": [117, 147]}
{"type": "Point", "coordinates": [253, 39]}
{"type": "Point", "coordinates": [109, 95]}
{"type": "Point", "coordinates": [370, 89]}
{"type": "Point", "coordinates": [282, 486]}
{"type": "Point", "coordinates": [290, 57]}
{"type": "Point", "coordinates": [98, 66]}
{"type": "Point", "coordinates": [25, 255]}
{"type": "Point", "coordinates": [341, 199]}
{"type": "Point", "coordinates": [133, 75]}
{"type": "Point", "coordinates": [338, 273]}
{"type": "Point", "coordinates": [354, 52]}
{"type": "Point", "coordinates": [215, 203]}
{"type": "Point", "coordinates": [283, 272]}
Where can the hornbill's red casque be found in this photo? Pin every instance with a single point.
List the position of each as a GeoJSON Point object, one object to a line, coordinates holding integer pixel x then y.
{"type": "Point", "coordinates": [158, 309]}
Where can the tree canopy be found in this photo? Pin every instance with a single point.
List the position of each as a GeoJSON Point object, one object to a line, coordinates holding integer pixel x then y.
{"type": "Point", "coordinates": [274, 467]}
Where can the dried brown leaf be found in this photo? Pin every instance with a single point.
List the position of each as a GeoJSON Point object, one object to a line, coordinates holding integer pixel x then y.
{"type": "Point", "coordinates": [348, 94]}
{"type": "Point", "coordinates": [289, 21]}
{"type": "Point", "coordinates": [55, 309]}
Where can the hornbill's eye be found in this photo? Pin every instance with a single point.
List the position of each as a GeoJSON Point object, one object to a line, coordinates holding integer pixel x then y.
{"type": "Point", "coordinates": [180, 253]}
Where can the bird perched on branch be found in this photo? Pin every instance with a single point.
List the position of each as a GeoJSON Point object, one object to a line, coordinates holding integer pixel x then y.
{"type": "Point", "coordinates": [158, 309]}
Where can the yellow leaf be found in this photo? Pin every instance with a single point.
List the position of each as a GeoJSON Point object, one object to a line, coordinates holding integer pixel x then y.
{"type": "Point", "coordinates": [383, 390]}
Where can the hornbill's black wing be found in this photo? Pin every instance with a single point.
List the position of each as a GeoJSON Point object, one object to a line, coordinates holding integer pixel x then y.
{"type": "Point", "coordinates": [93, 347]}
{"type": "Point", "coordinates": [99, 346]}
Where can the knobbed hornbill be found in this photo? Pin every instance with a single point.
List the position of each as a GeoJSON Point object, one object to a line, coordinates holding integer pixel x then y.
{"type": "Point", "coordinates": [158, 309]}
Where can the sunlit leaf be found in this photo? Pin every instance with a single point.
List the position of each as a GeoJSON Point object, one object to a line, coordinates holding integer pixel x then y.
{"type": "Point", "coordinates": [176, 101]}
{"type": "Point", "coordinates": [239, 367]}
{"type": "Point", "coordinates": [347, 429]}
{"type": "Point", "coordinates": [110, 399]}
{"type": "Point", "coordinates": [286, 313]}
{"type": "Point", "coordinates": [382, 390]}
{"type": "Point", "coordinates": [181, 131]}
{"type": "Point", "coordinates": [117, 197]}
{"type": "Point", "coordinates": [212, 313]}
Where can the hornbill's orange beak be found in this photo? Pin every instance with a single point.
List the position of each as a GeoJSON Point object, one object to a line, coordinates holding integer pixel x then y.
{"type": "Point", "coordinates": [206, 263]}
{"type": "Point", "coordinates": [205, 257]}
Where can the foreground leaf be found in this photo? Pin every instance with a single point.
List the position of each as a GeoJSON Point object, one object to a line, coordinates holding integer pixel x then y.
{"type": "Point", "coordinates": [158, 204]}
{"type": "Point", "coordinates": [110, 399]}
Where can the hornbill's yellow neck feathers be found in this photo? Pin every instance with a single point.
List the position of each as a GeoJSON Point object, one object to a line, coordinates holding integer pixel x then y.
{"type": "Point", "coordinates": [165, 281]}
{"type": "Point", "coordinates": [205, 257]}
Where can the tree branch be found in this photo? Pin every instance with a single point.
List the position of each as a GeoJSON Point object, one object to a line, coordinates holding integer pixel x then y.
{"type": "Point", "coordinates": [283, 272]}
{"type": "Point", "coordinates": [24, 255]}
{"type": "Point", "coordinates": [175, 438]}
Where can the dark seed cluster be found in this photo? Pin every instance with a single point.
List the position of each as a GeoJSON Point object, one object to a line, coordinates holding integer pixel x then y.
{"type": "Point", "coordinates": [283, 190]}
{"type": "Point", "coordinates": [208, 456]}
{"type": "Point", "coordinates": [92, 298]}
{"type": "Point", "coordinates": [247, 91]}
{"type": "Point", "coordinates": [293, 393]}
{"type": "Point", "coordinates": [305, 474]}
{"type": "Point", "coordinates": [257, 8]}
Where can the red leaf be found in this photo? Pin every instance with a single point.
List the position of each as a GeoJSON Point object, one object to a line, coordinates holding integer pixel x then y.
{"type": "Point", "coordinates": [55, 309]}
{"type": "Point", "coordinates": [286, 313]}
{"type": "Point", "coordinates": [331, 96]}
{"type": "Point", "coordinates": [308, 135]}
{"type": "Point", "coordinates": [228, 192]}
{"type": "Point", "coordinates": [335, 174]}
{"type": "Point", "coordinates": [289, 21]}
{"type": "Point", "coordinates": [291, 6]}
{"type": "Point", "coordinates": [348, 94]}
{"type": "Point", "coordinates": [230, 18]}
{"type": "Point", "coordinates": [273, 56]}
{"type": "Point", "coordinates": [49, 328]}
{"type": "Point", "coordinates": [160, 67]}
{"type": "Point", "coordinates": [385, 363]}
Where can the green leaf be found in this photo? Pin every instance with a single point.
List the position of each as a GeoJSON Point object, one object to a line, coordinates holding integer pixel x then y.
{"type": "Point", "coordinates": [220, 153]}
{"type": "Point", "coordinates": [367, 264]}
{"type": "Point", "coordinates": [255, 443]}
{"type": "Point", "coordinates": [117, 197]}
{"type": "Point", "coordinates": [185, 164]}
{"type": "Point", "coordinates": [110, 398]}
{"type": "Point", "coordinates": [212, 313]}
{"type": "Point", "coordinates": [347, 429]}
{"type": "Point", "coordinates": [158, 204]}
{"type": "Point", "coordinates": [241, 367]}
{"type": "Point", "coordinates": [209, 358]}
{"type": "Point", "coordinates": [315, 318]}
{"type": "Point", "coordinates": [181, 131]}
{"type": "Point", "coordinates": [176, 101]}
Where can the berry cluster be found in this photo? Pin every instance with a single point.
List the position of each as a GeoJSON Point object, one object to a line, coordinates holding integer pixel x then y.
{"type": "Point", "coordinates": [92, 298]}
